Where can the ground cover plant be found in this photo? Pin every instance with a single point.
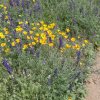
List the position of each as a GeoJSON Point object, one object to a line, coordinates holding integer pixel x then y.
{"type": "Point", "coordinates": [46, 48]}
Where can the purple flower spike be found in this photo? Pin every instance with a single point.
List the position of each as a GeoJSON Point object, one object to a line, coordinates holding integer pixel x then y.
{"type": "Point", "coordinates": [17, 2]}
{"type": "Point", "coordinates": [27, 4]}
{"type": "Point", "coordinates": [60, 42]}
{"type": "Point", "coordinates": [50, 40]}
{"type": "Point", "coordinates": [11, 2]}
{"type": "Point", "coordinates": [78, 56]}
{"type": "Point", "coordinates": [38, 54]}
{"type": "Point", "coordinates": [7, 66]}
{"type": "Point", "coordinates": [56, 72]}
{"type": "Point", "coordinates": [23, 4]}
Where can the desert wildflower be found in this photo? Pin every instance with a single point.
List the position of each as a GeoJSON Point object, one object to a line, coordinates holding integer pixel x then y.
{"type": "Point", "coordinates": [42, 41]}
{"type": "Point", "coordinates": [51, 44]}
{"type": "Point", "coordinates": [34, 28]}
{"type": "Point", "coordinates": [68, 46]}
{"type": "Point", "coordinates": [13, 44]}
{"type": "Point", "coordinates": [31, 32]}
{"type": "Point", "coordinates": [69, 98]}
{"type": "Point", "coordinates": [33, 43]}
{"type": "Point", "coordinates": [7, 50]}
{"type": "Point", "coordinates": [83, 45]}
{"type": "Point", "coordinates": [28, 37]}
{"type": "Point", "coordinates": [17, 40]}
{"type": "Point", "coordinates": [3, 44]}
{"type": "Point", "coordinates": [76, 46]}
{"type": "Point", "coordinates": [26, 22]}
{"type": "Point", "coordinates": [67, 30]}
{"type": "Point", "coordinates": [36, 39]}
{"type": "Point", "coordinates": [73, 39]}
{"type": "Point", "coordinates": [2, 36]}
{"type": "Point", "coordinates": [19, 29]}
{"type": "Point", "coordinates": [20, 22]}
{"type": "Point", "coordinates": [25, 46]}
{"type": "Point", "coordinates": [25, 32]}
{"type": "Point", "coordinates": [66, 36]}
{"type": "Point", "coordinates": [86, 41]}
{"type": "Point", "coordinates": [6, 17]}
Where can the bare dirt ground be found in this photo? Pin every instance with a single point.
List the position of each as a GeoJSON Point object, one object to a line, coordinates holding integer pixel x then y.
{"type": "Point", "coordinates": [93, 83]}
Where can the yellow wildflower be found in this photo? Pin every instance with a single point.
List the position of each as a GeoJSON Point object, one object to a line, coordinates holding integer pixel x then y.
{"type": "Point", "coordinates": [68, 46]}
{"type": "Point", "coordinates": [6, 17]}
{"type": "Point", "coordinates": [86, 41]}
{"type": "Point", "coordinates": [28, 37]}
{"type": "Point", "coordinates": [67, 30]}
{"type": "Point", "coordinates": [41, 28]}
{"type": "Point", "coordinates": [83, 45]}
{"type": "Point", "coordinates": [25, 46]}
{"type": "Point", "coordinates": [20, 22]}
{"type": "Point", "coordinates": [3, 44]}
{"type": "Point", "coordinates": [52, 37]}
{"type": "Point", "coordinates": [33, 43]}
{"type": "Point", "coordinates": [51, 44]}
{"type": "Point", "coordinates": [66, 36]}
{"type": "Point", "coordinates": [76, 46]}
{"type": "Point", "coordinates": [69, 98]}
{"type": "Point", "coordinates": [5, 7]}
{"type": "Point", "coordinates": [73, 39]}
{"type": "Point", "coordinates": [19, 29]}
{"type": "Point", "coordinates": [42, 41]}
{"type": "Point", "coordinates": [26, 22]}
{"type": "Point", "coordinates": [42, 22]}
{"type": "Point", "coordinates": [36, 39]}
{"type": "Point", "coordinates": [30, 44]}
{"type": "Point", "coordinates": [34, 28]}
{"type": "Point", "coordinates": [17, 40]}
{"type": "Point", "coordinates": [7, 50]}
{"type": "Point", "coordinates": [25, 32]}
{"type": "Point", "coordinates": [31, 32]}
{"type": "Point", "coordinates": [37, 34]}
{"type": "Point", "coordinates": [13, 43]}
{"type": "Point", "coordinates": [2, 36]}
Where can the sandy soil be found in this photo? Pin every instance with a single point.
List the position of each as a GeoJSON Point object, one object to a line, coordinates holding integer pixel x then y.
{"type": "Point", "coordinates": [93, 83]}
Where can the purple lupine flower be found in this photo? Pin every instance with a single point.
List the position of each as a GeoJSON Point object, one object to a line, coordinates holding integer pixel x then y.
{"type": "Point", "coordinates": [17, 2]}
{"type": "Point", "coordinates": [27, 4]}
{"type": "Point", "coordinates": [23, 4]}
{"type": "Point", "coordinates": [50, 40]}
{"type": "Point", "coordinates": [78, 53]}
{"type": "Point", "coordinates": [7, 66]}
{"type": "Point", "coordinates": [37, 6]}
{"type": "Point", "coordinates": [60, 42]}
{"type": "Point", "coordinates": [14, 33]}
{"type": "Point", "coordinates": [31, 50]}
{"type": "Point", "coordinates": [38, 54]}
{"type": "Point", "coordinates": [11, 20]}
{"type": "Point", "coordinates": [74, 21]}
{"type": "Point", "coordinates": [55, 72]}
{"type": "Point", "coordinates": [11, 2]}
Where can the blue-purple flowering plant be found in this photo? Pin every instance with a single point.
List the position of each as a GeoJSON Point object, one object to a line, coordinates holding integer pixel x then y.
{"type": "Point", "coordinates": [7, 66]}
